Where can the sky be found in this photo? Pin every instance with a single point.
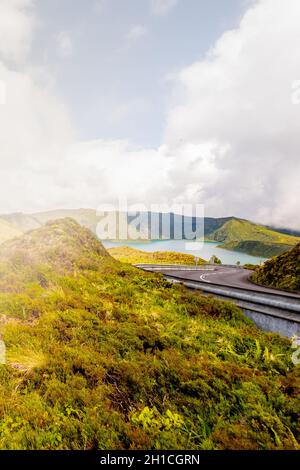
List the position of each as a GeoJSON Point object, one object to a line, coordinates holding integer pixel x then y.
{"type": "Point", "coordinates": [159, 101]}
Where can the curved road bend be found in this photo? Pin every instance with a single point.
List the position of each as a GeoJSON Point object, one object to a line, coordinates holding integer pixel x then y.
{"type": "Point", "coordinates": [227, 276]}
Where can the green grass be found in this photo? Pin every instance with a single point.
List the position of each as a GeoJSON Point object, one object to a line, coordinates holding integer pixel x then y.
{"type": "Point", "coordinates": [130, 255]}
{"type": "Point", "coordinates": [282, 272]}
{"type": "Point", "coordinates": [247, 237]}
{"type": "Point", "coordinates": [101, 355]}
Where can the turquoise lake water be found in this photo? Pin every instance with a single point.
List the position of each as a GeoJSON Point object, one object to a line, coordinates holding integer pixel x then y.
{"type": "Point", "coordinates": [205, 251]}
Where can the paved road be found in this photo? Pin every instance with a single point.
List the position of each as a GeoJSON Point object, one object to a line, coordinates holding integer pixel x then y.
{"type": "Point", "coordinates": [227, 276]}
{"type": "Point", "coordinates": [271, 309]}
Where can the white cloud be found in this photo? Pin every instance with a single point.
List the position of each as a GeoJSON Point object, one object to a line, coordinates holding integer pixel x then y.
{"type": "Point", "coordinates": [239, 98]}
{"type": "Point", "coordinates": [232, 139]}
{"type": "Point", "coordinates": [35, 133]}
{"type": "Point", "coordinates": [136, 32]}
{"type": "Point", "coordinates": [161, 7]}
{"type": "Point", "coordinates": [64, 44]}
{"type": "Point", "coordinates": [16, 29]}
{"type": "Point", "coordinates": [101, 171]}
{"type": "Point", "coordinates": [35, 127]}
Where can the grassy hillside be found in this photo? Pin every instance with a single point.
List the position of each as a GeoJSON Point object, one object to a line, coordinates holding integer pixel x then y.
{"type": "Point", "coordinates": [100, 355]}
{"type": "Point", "coordinates": [245, 236]}
{"type": "Point", "coordinates": [212, 224]}
{"type": "Point", "coordinates": [130, 255]}
{"type": "Point", "coordinates": [282, 271]}
{"type": "Point", "coordinates": [257, 248]}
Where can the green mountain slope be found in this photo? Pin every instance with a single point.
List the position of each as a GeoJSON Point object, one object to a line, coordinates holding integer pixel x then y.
{"type": "Point", "coordinates": [100, 355]}
{"type": "Point", "coordinates": [59, 243]}
{"type": "Point", "coordinates": [245, 236]}
{"type": "Point", "coordinates": [282, 271]}
{"type": "Point", "coordinates": [212, 224]}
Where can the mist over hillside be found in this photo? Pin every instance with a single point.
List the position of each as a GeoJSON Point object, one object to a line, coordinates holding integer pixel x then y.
{"type": "Point", "coordinates": [233, 233]}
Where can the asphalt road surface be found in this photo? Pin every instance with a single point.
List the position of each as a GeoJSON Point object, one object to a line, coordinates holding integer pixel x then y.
{"type": "Point", "coordinates": [225, 275]}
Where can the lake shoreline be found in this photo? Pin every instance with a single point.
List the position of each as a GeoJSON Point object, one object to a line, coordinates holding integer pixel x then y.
{"type": "Point", "coordinates": [203, 249]}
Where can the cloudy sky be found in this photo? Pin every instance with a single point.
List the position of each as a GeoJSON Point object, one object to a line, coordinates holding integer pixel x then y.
{"type": "Point", "coordinates": [161, 101]}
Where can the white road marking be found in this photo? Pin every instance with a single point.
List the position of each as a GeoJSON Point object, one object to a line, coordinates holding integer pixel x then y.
{"type": "Point", "coordinates": [203, 276]}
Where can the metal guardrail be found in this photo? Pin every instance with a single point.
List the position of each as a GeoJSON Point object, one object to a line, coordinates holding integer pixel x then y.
{"type": "Point", "coordinates": [184, 266]}
{"type": "Point", "coordinates": [278, 305]}
{"type": "Point", "coordinates": [253, 297]}
{"type": "Point", "coordinates": [162, 268]}
{"type": "Point", "coordinates": [171, 268]}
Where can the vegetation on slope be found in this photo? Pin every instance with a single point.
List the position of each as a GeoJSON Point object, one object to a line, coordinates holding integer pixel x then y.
{"type": "Point", "coordinates": [127, 254]}
{"type": "Point", "coordinates": [242, 235]}
{"type": "Point", "coordinates": [103, 356]}
{"type": "Point", "coordinates": [282, 271]}
{"type": "Point", "coordinates": [258, 248]}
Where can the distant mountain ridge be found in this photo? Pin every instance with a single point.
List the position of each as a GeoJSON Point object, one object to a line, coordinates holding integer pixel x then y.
{"type": "Point", "coordinates": [8, 231]}
{"type": "Point", "coordinates": [233, 233]}
{"type": "Point", "coordinates": [286, 231]}
{"type": "Point", "coordinates": [25, 222]}
{"type": "Point", "coordinates": [248, 237]}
